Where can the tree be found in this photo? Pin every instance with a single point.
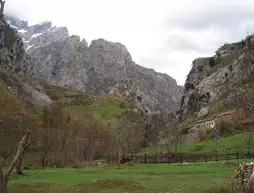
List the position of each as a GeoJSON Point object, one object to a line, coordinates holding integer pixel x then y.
{"type": "Point", "coordinates": [130, 135]}
{"type": "Point", "coordinates": [173, 135]}
{"type": "Point", "coordinates": [249, 140]}
{"type": "Point", "coordinates": [4, 176]}
{"type": "Point", "coordinates": [48, 133]}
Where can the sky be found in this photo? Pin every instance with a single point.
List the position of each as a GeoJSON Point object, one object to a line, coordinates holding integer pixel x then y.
{"type": "Point", "coordinates": [166, 35]}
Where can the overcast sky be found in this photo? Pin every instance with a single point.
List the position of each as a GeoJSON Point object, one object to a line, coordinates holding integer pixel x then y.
{"type": "Point", "coordinates": [166, 35]}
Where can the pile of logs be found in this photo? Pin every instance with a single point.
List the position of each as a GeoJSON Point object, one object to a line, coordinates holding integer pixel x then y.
{"type": "Point", "coordinates": [244, 175]}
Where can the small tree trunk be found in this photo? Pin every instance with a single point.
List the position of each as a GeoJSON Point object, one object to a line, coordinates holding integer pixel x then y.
{"type": "Point", "coordinates": [18, 167]}
{"type": "Point", "coordinates": [3, 187]}
{"type": "Point", "coordinates": [3, 184]}
{"type": "Point", "coordinates": [43, 162]}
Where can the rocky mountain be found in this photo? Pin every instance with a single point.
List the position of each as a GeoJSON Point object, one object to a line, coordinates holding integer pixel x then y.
{"type": "Point", "coordinates": [219, 83]}
{"type": "Point", "coordinates": [103, 67]}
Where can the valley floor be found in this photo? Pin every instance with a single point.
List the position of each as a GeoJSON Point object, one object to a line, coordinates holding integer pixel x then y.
{"type": "Point", "coordinates": [161, 178]}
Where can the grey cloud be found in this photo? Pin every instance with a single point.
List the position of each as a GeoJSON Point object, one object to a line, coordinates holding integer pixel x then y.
{"type": "Point", "coordinates": [225, 16]}
{"type": "Point", "coordinates": [177, 42]}
{"type": "Point", "coordinates": [160, 61]}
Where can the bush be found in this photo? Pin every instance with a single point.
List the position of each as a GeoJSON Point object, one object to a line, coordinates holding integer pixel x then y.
{"type": "Point", "coordinates": [189, 86]}
{"type": "Point", "coordinates": [226, 127]}
{"type": "Point", "coordinates": [122, 105]}
{"type": "Point", "coordinates": [198, 148]}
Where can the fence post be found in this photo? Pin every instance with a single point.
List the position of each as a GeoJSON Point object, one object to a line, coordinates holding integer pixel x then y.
{"type": "Point", "coordinates": [145, 158]}
{"type": "Point", "coordinates": [117, 157]}
{"type": "Point", "coordinates": [216, 157]}
{"type": "Point", "coordinates": [193, 156]}
{"type": "Point", "coordinates": [205, 158]}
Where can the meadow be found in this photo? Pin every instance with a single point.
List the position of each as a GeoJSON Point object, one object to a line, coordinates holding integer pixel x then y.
{"type": "Point", "coordinates": [150, 178]}
{"type": "Point", "coordinates": [231, 143]}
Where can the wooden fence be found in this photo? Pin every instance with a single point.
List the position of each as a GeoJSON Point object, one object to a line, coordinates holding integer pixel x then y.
{"type": "Point", "coordinates": [185, 157]}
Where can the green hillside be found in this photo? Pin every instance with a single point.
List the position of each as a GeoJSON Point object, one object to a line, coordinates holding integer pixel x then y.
{"type": "Point", "coordinates": [234, 143]}
{"type": "Point", "coordinates": [103, 108]}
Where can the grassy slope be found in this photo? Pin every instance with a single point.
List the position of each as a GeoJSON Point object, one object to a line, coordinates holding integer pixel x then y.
{"type": "Point", "coordinates": [12, 107]}
{"type": "Point", "coordinates": [122, 179]}
{"type": "Point", "coordinates": [231, 143]}
{"type": "Point", "coordinates": [101, 107]}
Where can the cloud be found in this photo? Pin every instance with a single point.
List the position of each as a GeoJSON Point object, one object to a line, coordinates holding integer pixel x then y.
{"type": "Point", "coordinates": [166, 35]}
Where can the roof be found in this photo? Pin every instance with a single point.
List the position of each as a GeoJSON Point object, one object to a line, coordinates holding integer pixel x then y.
{"type": "Point", "coordinates": [205, 120]}
{"type": "Point", "coordinates": [226, 113]}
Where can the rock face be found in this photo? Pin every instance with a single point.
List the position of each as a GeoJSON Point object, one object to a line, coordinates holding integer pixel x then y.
{"type": "Point", "coordinates": [13, 56]}
{"type": "Point", "coordinates": [219, 83]}
{"type": "Point", "coordinates": [103, 67]}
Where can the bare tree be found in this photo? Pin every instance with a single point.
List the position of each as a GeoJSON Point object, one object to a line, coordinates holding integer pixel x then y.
{"type": "Point", "coordinates": [4, 176]}
{"type": "Point", "coordinates": [48, 134]}
{"type": "Point", "coordinates": [173, 134]}
{"type": "Point", "coordinates": [2, 3]}
{"type": "Point", "coordinates": [19, 162]}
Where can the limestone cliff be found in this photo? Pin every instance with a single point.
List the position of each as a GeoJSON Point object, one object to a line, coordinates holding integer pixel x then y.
{"type": "Point", "coordinates": [220, 82]}
{"type": "Point", "coordinates": [13, 58]}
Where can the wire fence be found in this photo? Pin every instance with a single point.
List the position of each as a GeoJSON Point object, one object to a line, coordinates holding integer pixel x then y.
{"type": "Point", "coordinates": [186, 157]}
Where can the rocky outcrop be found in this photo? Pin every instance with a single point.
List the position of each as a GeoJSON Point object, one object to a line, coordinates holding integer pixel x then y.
{"type": "Point", "coordinates": [13, 56]}
{"type": "Point", "coordinates": [215, 84]}
{"type": "Point", "coordinates": [103, 67]}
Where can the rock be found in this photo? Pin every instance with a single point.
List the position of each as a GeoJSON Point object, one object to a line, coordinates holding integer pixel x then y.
{"type": "Point", "coordinates": [11, 90]}
{"type": "Point", "coordinates": [184, 164]}
{"type": "Point", "coordinates": [203, 112]}
{"type": "Point", "coordinates": [13, 56]}
{"type": "Point", "coordinates": [34, 96]}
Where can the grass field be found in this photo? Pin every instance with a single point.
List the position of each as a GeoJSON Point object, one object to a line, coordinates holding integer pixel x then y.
{"type": "Point", "coordinates": [233, 143]}
{"type": "Point", "coordinates": [161, 178]}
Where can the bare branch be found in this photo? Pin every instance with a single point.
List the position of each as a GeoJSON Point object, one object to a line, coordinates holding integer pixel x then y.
{"type": "Point", "coordinates": [22, 145]}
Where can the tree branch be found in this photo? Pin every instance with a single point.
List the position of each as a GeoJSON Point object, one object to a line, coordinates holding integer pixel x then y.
{"type": "Point", "coordinates": [22, 145]}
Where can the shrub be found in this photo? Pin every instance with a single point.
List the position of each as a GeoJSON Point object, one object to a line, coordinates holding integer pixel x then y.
{"type": "Point", "coordinates": [226, 127]}
{"type": "Point", "coordinates": [189, 86]}
{"type": "Point", "coordinates": [211, 62]}
{"type": "Point", "coordinates": [122, 105]}
{"type": "Point", "coordinates": [198, 148]}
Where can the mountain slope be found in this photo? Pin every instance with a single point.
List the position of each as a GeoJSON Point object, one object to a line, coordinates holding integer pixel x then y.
{"type": "Point", "coordinates": [103, 67]}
